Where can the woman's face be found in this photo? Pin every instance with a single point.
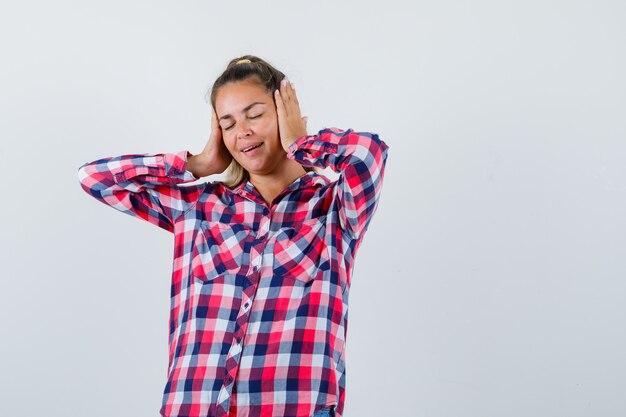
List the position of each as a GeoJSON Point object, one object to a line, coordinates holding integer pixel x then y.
{"type": "Point", "coordinates": [247, 116]}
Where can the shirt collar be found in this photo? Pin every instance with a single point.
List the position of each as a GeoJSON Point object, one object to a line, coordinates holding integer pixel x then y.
{"type": "Point", "coordinates": [309, 179]}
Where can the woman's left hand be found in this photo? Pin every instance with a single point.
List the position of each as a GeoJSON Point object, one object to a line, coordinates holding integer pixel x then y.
{"type": "Point", "coordinates": [291, 125]}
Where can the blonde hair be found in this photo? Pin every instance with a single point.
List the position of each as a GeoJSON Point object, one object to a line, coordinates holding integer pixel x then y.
{"type": "Point", "coordinates": [249, 68]}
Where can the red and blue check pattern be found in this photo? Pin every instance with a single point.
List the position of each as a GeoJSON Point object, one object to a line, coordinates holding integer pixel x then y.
{"type": "Point", "coordinates": [259, 293]}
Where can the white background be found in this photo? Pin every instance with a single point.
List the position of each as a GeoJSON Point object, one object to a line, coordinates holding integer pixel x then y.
{"type": "Point", "coordinates": [492, 278]}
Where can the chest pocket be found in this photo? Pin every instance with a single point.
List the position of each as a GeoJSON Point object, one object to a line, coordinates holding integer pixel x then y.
{"type": "Point", "coordinates": [221, 248]}
{"type": "Point", "coordinates": [298, 249]}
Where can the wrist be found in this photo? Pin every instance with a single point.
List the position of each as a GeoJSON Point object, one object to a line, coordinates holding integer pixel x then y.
{"type": "Point", "coordinates": [193, 165]}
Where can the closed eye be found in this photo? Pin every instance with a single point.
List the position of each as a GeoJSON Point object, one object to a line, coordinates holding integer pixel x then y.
{"type": "Point", "coordinates": [253, 117]}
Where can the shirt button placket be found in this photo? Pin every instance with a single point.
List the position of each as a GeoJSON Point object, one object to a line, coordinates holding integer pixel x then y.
{"type": "Point", "coordinates": [261, 238]}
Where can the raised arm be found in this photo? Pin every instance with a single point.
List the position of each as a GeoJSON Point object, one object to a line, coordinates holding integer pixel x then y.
{"type": "Point", "coordinates": [359, 158]}
{"type": "Point", "coordinates": [143, 185]}
{"type": "Point", "coordinates": [146, 185]}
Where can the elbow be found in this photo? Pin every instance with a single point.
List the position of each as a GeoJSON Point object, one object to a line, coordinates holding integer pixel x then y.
{"type": "Point", "coordinates": [88, 181]}
{"type": "Point", "coordinates": [379, 148]}
{"type": "Point", "coordinates": [82, 174]}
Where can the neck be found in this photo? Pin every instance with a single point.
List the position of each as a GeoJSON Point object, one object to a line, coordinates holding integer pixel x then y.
{"type": "Point", "coordinates": [271, 184]}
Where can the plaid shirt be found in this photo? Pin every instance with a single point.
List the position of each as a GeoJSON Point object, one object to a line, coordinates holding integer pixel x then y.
{"type": "Point", "coordinates": [259, 293]}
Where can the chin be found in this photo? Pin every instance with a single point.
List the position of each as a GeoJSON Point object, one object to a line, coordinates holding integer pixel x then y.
{"type": "Point", "coordinates": [261, 168]}
{"type": "Point", "coordinates": [259, 164]}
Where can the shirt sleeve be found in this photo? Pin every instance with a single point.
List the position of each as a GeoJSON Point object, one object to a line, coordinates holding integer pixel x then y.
{"type": "Point", "coordinates": [359, 158]}
{"type": "Point", "coordinates": [143, 185]}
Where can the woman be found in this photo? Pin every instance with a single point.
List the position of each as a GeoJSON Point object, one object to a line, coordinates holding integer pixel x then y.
{"type": "Point", "coordinates": [262, 260]}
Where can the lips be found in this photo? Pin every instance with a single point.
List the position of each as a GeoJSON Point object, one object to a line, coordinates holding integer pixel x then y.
{"type": "Point", "coordinates": [249, 148]}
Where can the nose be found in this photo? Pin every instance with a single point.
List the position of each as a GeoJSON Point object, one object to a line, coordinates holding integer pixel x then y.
{"type": "Point", "coordinates": [243, 129]}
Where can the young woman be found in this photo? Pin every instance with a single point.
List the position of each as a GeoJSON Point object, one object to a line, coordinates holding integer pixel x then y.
{"type": "Point", "coordinates": [262, 260]}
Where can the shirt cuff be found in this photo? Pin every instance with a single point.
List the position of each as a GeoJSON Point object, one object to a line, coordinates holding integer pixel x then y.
{"type": "Point", "coordinates": [293, 148]}
{"type": "Point", "coordinates": [176, 163]}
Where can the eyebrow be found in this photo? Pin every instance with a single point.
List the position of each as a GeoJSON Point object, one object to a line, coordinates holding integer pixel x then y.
{"type": "Point", "coordinates": [245, 109]}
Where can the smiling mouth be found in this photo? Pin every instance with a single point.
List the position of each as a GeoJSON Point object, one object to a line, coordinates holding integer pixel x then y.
{"type": "Point", "coordinates": [249, 148]}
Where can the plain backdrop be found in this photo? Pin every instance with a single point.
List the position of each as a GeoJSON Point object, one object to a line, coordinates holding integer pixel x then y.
{"type": "Point", "coordinates": [492, 278]}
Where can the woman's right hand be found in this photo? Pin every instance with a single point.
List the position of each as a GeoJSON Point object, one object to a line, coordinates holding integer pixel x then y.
{"type": "Point", "coordinates": [214, 158]}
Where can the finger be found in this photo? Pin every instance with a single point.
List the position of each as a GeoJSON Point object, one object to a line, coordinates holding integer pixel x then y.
{"type": "Point", "coordinates": [289, 98]}
{"type": "Point", "coordinates": [280, 109]}
{"type": "Point", "coordinates": [214, 121]}
{"type": "Point", "coordinates": [295, 104]}
{"type": "Point", "coordinates": [280, 105]}
{"type": "Point", "coordinates": [285, 92]}
{"type": "Point", "coordinates": [290, 103]}
{"type": "Point", "coordinates": [294, 95]}
{"type": "Point", "coordinates": [216, 124]}
{"type": "Point", "coordinates": [217, 129]}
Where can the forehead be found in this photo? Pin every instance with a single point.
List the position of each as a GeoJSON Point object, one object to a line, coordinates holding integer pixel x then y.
{"type": "Point", "coordinates": [232, 98]}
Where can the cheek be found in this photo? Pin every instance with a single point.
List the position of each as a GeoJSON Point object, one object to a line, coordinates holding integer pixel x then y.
{"type": "Point", "coordinates": [271, 121]}
{"type": "Point", "coordinates": [229, 141]}
{"type": "Point", "coordinates": [271, 127]}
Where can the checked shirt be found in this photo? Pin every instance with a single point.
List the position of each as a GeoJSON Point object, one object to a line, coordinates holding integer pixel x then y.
{"type": "Point", "coordinates": [259, 293]}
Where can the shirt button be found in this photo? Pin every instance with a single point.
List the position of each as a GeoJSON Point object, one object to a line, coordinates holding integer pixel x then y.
{"type": "Point", "coordinates": [230, 379]}
{"type": "Point", "coordinates": [262, 238]}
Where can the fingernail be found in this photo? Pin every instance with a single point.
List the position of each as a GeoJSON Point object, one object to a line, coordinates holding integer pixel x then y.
{"type": "Point", "coordinates": [284, 82]}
